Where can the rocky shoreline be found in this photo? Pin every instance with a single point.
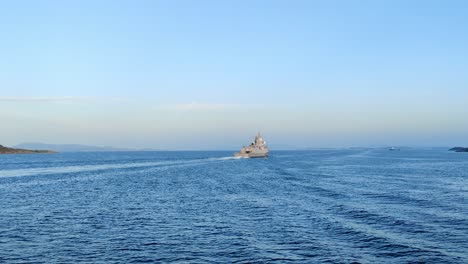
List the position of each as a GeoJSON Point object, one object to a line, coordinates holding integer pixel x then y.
{"type": "Point", "coordinates": [6, 150]}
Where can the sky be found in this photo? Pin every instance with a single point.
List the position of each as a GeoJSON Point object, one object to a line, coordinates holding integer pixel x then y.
{"type": "Point", "coordinates": [211, 74]}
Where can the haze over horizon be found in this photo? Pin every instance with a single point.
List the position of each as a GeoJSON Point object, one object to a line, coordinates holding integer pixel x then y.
{"type": "Point", "coordinates": [211, 74]}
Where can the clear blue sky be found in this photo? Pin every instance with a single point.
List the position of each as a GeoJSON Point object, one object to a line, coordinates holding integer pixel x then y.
{"type": "Point", "coordinates": [210, 74]}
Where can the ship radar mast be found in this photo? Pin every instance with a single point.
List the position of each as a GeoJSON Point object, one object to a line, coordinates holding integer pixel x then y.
{"type": "Point", "coordinates": [259, 140]}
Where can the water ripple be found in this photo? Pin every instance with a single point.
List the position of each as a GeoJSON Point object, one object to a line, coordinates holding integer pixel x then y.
{"type": "Point", "coordinates": [340, 206]}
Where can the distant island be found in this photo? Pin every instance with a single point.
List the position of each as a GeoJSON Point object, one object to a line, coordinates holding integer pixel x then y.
{"type": "Point", "coordinates": [459, 149]}
{"type": "Point", "coordinates": [65, 147]}
{"type": "Point", "coordinates": [74, 147]}
{"type": "Point", "coordinates": [6, 150]}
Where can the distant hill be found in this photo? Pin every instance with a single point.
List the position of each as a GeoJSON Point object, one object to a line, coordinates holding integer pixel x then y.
{"type": "Point", "coordinates": [67, 147]}
{"type": "Point", "coordinates": [6, 150]}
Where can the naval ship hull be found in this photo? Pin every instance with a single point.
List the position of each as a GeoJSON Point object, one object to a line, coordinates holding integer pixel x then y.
{"type": "Point", "coordinates": [258, 149]}
{"type": "Point", "coordinates": [251, 155]}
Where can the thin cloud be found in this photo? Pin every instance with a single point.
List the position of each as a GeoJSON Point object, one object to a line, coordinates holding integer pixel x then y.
{"type": "Point", "coordinates": [52, 98]}
{"type": "Point", "coordinates": [208, 106]}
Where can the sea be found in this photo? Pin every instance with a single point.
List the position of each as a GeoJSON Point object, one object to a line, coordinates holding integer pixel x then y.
{"type": "Point", "coordinates": [317, 206]}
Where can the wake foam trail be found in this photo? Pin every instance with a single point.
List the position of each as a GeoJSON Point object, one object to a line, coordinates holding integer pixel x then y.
{"type": "Point", "coordinates": [84, 168]}
{"type": "Point", "coordinates": [72, 169]}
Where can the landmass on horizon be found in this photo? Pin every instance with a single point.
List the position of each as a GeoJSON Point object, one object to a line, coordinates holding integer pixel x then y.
{"type": "Point", "coordinates": [459, 149]}
{"type": "Point", "coordinates": [6, 150]}
{"type": "Point", "coordinates": [75, 147]}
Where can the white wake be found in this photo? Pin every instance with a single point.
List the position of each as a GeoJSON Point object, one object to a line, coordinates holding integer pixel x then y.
{"type": "Point", "coordinates": [84, 168]}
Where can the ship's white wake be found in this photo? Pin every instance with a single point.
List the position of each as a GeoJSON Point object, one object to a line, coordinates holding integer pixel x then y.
{"type": "Point", "coordinates": [98, 167]}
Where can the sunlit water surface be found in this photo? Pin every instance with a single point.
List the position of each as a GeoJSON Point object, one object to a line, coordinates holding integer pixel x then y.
{"type": "Point", "coordinates": [336, 206]}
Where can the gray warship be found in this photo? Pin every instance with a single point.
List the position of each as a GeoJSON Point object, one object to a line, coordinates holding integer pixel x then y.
{"type": "Point", "coordinates": [258, 149]}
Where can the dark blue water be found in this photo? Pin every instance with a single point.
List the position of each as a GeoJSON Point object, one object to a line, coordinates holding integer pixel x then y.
{"type": "Point", "coordinates": [339, 206]}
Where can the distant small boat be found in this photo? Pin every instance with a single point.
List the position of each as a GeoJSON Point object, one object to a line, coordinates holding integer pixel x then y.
{"type": "Point", "coordinates": [258, 149]}
{"type": "Point", "coordinates": [393, 149]}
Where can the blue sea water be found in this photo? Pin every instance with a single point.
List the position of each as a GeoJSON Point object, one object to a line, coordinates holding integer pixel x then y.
{"type": "Point", "coordinates": [322, 206]}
